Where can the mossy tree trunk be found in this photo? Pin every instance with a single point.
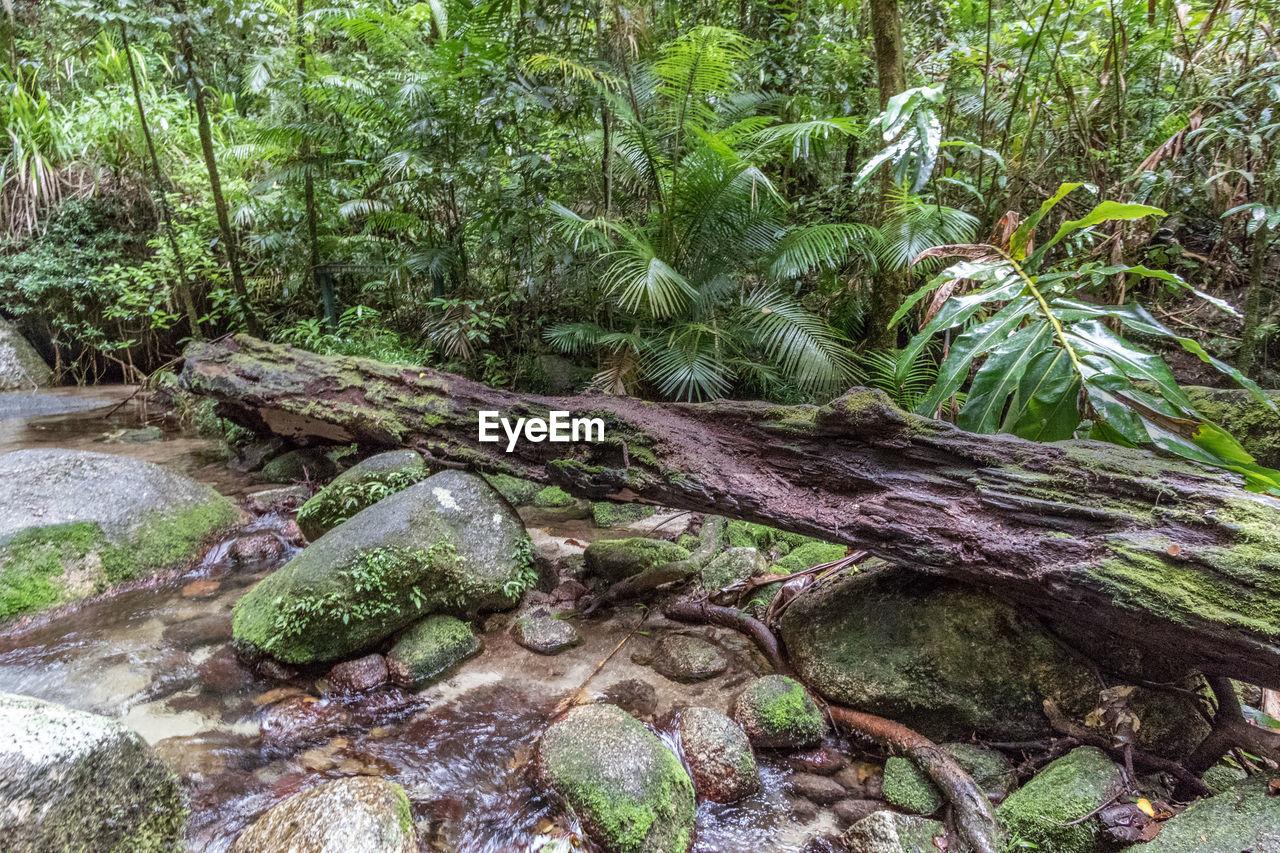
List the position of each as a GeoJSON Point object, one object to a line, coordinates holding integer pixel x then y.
{"type": "Point", "coordinates": [1105, 542]}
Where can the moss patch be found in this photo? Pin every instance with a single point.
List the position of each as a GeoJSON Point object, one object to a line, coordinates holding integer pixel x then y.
{"type": "Point", "coordinates": [776, 711]}
{"type": "Point", "coordinates": [618, 559]}
{"type": "Point", "coordinates": [553, 497]}
{"type": "Point", "coordinates": [431, 649]}
{"type": "Point", "coordinates": [1044, 812]}
{"type": "Point", "coordinates": [606, 514]}
{"type": "Point", "coordinates": [518, 492]}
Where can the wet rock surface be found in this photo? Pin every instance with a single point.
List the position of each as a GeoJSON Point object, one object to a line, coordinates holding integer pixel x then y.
{"type": "Point", "coordinates": [776, 711]}
{"type": "Point", "coordinates": [357, 815]}
{"type": "Point", "coordinates": [76, 781]}
{"type": "Point", "coordinates": [687, 659]}
{"type": "Point", "coordinates": [718, 755]}
{"type": "Point", "coordinates": [539, 631]}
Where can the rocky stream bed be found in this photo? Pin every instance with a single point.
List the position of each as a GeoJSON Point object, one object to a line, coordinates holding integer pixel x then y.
{"type": "Point", "coordinates": [217, 659]}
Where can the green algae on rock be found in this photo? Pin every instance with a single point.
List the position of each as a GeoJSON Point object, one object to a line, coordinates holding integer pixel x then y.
{"type": "Point", "coordinates": [75, 522]}
{"type": "Point", "coordinates": [630, 792]}
{"type": "Point", "coordinates": [447, 544]}
{"type": "Point", "coordinates": [75, 781]}
{"type": "Point", "coordinates": [887, 832]}
{"type": "Point", "coordinates": [618, 559]}
{"type": "Point", "coordinates": [943, 659]}
{"type": "Point", "coordinates": [360, 486]}
{"type": "Point", "coordinates": [430, 650]}
{"type": "Point", "coordinates": [309, 463]}
{"type": "Point", "coordinates": [1047, 811]}
{"type": "Point", "coordinates": [606, 514]}
{"type": "Point", "coordinates": [361, 814]}
{"type": "Point", "coordinates": [776, 711]}
{"type": "Point", "coordinates": [553, 497]}
{"type": "Point", "coordinates": [907, 787]}
{"type": "Point", "coordinates": [733, 564]}
{"type": "Point", "coordinates": [1245, 816]}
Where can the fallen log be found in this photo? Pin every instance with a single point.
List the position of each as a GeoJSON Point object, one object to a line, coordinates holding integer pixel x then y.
{"type": "Point", "coordinates": [1100, 540]}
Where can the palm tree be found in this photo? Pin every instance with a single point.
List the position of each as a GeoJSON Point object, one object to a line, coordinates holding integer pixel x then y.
{"type": "Point", "coordinates": [702, 270]}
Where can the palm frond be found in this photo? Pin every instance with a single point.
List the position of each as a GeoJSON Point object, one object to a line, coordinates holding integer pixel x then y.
{"type": "Point", "coordinates": [805, 347]}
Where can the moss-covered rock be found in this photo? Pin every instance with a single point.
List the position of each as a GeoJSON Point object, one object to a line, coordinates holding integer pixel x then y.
{"type": "Point", "coordinates": [518, 492]}
{"type": "Point", "coordinates": [553, 497]}
{"type": "Point", "coordinates": [686, 658]}
{"type": "Point", "coordinates": [73, 523]}
{"type": "Point", "coordinates": [944, 659]}
{"type": "Point", "coordinates": [907, 787]}
{"type": "Point", "coordinates": [811, 553]}
{"type": "Point", "coordinates": [1045, 811]}
{"type": "Point", "coordinates": [1244, 817]}
{"type": "Point", "coordinates": [606, 514]}
{"type": "Point", "coordinates": [630, 791]}
{"type": "Point", "coordinates": [308, 463]}
{"type": "Point", "coordinates": [1235, 410]}
{"type": "Point", "coordinates": [430, 650]}
{"type": "Point", "coordinates": [447, 544]}
{"type": "Point", "coordinates": [776, 711]}
{"type": "Point", "coordinates": [21, 367]}
{"type": "Point", "coordinates": [733, 564]}
{"type": "Point", "coordinates": [887, 832]}
{"type": "Point", "coordinates": [718, 755]}
{"type": "Point", "coordinates": [362, 814]}
{"type": "Point", "coordinates": [614, 560]}
{"type": "Point", "coordinates": [360, 486]}
{"type": "Point", "coordinates": [75, 781]}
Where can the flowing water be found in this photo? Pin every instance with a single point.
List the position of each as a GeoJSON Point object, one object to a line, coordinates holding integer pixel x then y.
{"type": "Point", "coordinates": [156, 656]}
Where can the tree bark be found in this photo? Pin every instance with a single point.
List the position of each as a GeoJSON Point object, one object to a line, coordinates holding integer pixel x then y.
{"type": "Point", "coordinates": [183, 287]}
{"type": "Point", "coordinates": [215, 181]}
{"type": "Point", "coordinates": [1107, 542]}
{"type": "Point", "coordinates": [891, 78]}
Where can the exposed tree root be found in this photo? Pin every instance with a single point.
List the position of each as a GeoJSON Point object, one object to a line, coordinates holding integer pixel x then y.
{"type": "Point", "coordinates": [1230, 730]}
{"type": "Point", "coordinates": [1142, 760]}
{"type": "Point", "coordinates": [701, 611]}
{"type": "Point", "coordinates": [710, 540]}
{"type": "Point", "coordinates": [973, 818]}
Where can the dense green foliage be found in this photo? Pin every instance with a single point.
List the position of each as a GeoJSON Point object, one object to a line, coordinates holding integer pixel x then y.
{"type": "Point", "coordinates": [685, 200]}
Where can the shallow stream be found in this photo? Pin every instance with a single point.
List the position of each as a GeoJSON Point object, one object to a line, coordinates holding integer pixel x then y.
{"type": "Point", "coordinates": [157, 657]}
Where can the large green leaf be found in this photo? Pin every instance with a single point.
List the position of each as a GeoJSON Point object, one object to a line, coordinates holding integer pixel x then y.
{"type": "Point", "coordinates": [1002, 285]}
{"type": "Point", "coordinates": [1047, 399]}
{"type": "Point", "coordinates": [1000, 376]}
{"type": "Point", "coordinates": [1140, 320]}
{"type": "Point", "coordinates": [973, 343]}
{"type": "Point", "coordinates": [1091, 336]}
{"type": "Point", "coordinates": [1018, 242]}
{"type": "Point", "coordinates": [1106, 211]}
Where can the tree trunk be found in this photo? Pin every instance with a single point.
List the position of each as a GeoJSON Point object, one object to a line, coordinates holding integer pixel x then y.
{"type": "Point", "coordinates": [183, 288]}
{"type": "Point", "coordinates": [215, 182]}
{"type": "Point", "coordinates": [1108, 542]}
{"type": "Point", "coordinates": [891, 77]}
{"type": "Point", "coordinates": [304, 154]}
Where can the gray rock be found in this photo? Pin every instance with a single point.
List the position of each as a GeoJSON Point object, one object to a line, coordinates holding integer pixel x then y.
{"type": "Point", "coordinates": [21, 367]}
{"type": "Point", "coordinates": [70, 780]}
{"type": "Point", "coordinates": [821, 790]}
{"type": "Point", "coordinates": [543, 633]}
{"type": "Point", "coordinates": [308, 463]}
{"type": "Point", "coordinates": [362, 814]}
{"type": "Point", "coordinates": [73, 522]}
{"type": "Point", "coordinates": [733, 564]}
{"type": "Point", "coordinates": [687, 659]}
{"type": "Point", "coordinates": [888, 832]}
{"type": "Point", "coordinates": [360, 486]}
{"type": "Point", "coordinates": [449, 543]}
{"type": "Point", "coordinates": [849, 812]}
{"type": "Point", "coordinates": [1243, 817]}
{"type": "Point", "coordinates": [718, 756]}
{"type": "Point", "coordinates": [359, 675]}
{"type": "Point", "coordinates": [776, 711]}
{"type": "Point", "coordinates": [629, 790]}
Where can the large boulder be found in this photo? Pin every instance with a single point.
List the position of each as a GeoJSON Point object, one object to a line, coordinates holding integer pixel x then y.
{"type": "Point", "coordinates": [21, 367]}
{"type": "Point", "coordinates": [361, 486]}
{"type": "Point", "coordinates": [447, 544]}
{"type": "Point", "coordinates": [1244, 817]}
{"type": "Point", "coordinates": [630, 791]}
{"type": "Point", "coordinates": [361, 814]}
{"type": "Point", "coordinates": [616, 560]}
{"type": "Point", "coordinates": [73, 522]}
{"type": "Point", "coordinates": [75, 781]}
{"type": "Point", "coordinates": [1057, 810]}
{"type": "Point", "coordinates": [944, 659]}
